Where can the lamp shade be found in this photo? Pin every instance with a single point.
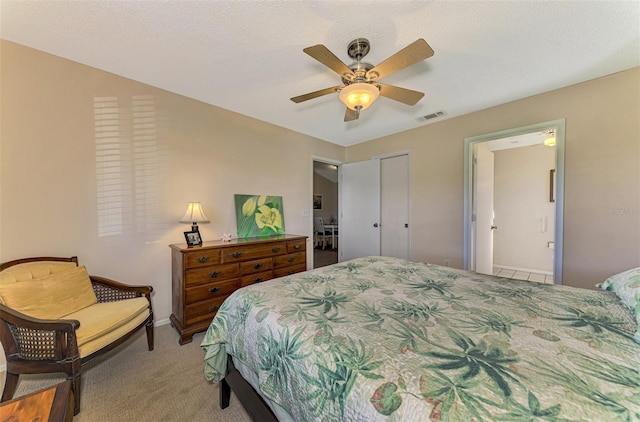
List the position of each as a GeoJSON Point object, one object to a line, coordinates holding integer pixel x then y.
{"type": "Point", "coordinates": [194, 214]}
{"type": "Point", "coordinates": [359, 95]}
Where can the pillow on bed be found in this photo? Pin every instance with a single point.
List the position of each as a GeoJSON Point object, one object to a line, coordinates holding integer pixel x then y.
{"type": "Point", "coordinates": [626, 286]}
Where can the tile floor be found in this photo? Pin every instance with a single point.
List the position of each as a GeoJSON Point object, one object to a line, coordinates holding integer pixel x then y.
{"type": "Point", "coordinates": [523, 275]}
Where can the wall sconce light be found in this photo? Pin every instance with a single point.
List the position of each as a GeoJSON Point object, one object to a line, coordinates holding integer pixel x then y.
{"type": "Point", "coordinates": [194, 215]}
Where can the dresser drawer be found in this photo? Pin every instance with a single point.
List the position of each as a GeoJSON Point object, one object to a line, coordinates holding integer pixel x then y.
{"type": "Point", "coordinates": [242, 253]}
{"type": "Point", "coordinates": [281, 272]}
{"type": "Point", "coordinates": [210, 274]}
{"type": "Point", "coordinates": [255, 266]}
{"type": "Point", "coordinates": [210, 291]}
{"type": "Point", "coordinates": [248, 280]}
{"type": "Point", "coordinates": [296, 245]}
{"type": "Point", "coordinates": [203, 310]}
{"type": "Point", "coordinates": [200, 259]}
{"type": "Point", "coordinates": [289, 260]}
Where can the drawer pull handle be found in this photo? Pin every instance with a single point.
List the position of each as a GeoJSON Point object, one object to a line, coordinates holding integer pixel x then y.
{"type": "Point", "coordinates": [256, 266]}
{"type": "Point", "coordinates": [296, 247]}
{"type": "Point", "coordinates": [203, 259]}
{"type": "Point", "coordinates": [214, 290]}
{"type": "Point", "coordinates": [257, 279]}
{"type": "Point", "coordinates": [214, 274]}
{"type": "Point", "coordinates": [213, 308]}
{"type": "Point", "coordinates": [291, 259]}
{"type": "Point", "coordinates": [236, 254]}
{"type": "Point", "coordinates": [276, 249]}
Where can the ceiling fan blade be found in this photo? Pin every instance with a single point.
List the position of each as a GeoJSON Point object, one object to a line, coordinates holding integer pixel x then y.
{"type": "Point", "coordinates": [403, 95]}
{"type": "Point", "coordinates": [411, 54]}
{"type": "Point", "coordinates": [327, 58]}
{"type": "Point", "coordinates": [316, 94]}
{"type": "Point", "coordinates": [350, 115]}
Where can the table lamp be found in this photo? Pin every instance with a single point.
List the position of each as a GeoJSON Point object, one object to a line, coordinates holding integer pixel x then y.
{"type": "Point", "coordinates": [194, 215]}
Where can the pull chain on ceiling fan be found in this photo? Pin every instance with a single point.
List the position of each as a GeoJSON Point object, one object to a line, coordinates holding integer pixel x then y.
{"type": "Point", "coordinates": [361, 86]}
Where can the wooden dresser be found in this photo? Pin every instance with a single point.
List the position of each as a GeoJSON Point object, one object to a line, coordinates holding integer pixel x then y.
{"type": "Point", "coordinates": [203, 276]}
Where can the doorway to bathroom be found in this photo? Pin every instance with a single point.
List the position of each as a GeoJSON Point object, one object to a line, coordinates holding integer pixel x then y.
{"type": "Point", "coordinates": [514, 201]}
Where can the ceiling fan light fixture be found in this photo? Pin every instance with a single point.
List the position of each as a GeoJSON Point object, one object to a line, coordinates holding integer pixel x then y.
{"type": "Point", "coordinates": [359, 96]}
{"type": "Point", "coordinates": [360, 87]}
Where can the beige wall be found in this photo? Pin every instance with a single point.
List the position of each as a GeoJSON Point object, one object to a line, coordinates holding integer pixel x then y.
{"type": "Point", "coordinates": [521, 202]}
{"type": "Point", "coordinates": [48, 169]}
{"type": "Point", "coordinates": [196, 152]}
{"type": "Point", "coordinates": [329, 191]}
{"type": "Point", "coordinates": [602, 174]}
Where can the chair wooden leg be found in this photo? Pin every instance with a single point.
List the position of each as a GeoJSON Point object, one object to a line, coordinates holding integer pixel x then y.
{"type": "Point", "coordinates": [75, 387]}
{"type": "Point", "coordinates": [10, 385]}
{"type": "Point", "coordinates": [149, 328]}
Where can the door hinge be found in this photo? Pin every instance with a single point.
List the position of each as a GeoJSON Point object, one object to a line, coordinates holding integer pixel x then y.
{"type": "Point", "coordinates": [473, 217]}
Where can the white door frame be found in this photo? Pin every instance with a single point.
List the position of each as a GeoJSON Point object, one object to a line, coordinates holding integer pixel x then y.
{"type": "Point", "coordinates": [310, 210]}
{"type": "Point", "coordinates": [559, 126]}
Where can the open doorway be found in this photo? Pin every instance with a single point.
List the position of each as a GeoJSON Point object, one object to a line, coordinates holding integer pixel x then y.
{"type": "Point", "coordinates": [326, 235]}
{"type": "Point", "coordinates": [522, 208]}
{"type": "Point", "coordinates": [514, 203]}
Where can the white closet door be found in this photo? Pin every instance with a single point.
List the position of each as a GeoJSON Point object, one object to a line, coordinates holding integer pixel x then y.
{"type": "Point", "coordinates": [359, 204]}
{"type": "Point", "coordinates": [394, 214]}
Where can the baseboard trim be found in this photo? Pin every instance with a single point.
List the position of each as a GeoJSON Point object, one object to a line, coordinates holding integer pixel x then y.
{"type": "Point", "coordinates": [161, 322]}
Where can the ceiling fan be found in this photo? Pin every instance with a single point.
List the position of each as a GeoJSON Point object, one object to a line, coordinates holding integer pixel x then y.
{"type": "Point", "coordinates": [360, 81]}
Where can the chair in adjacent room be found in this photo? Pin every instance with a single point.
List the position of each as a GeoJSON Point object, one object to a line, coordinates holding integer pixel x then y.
{"type": "Point", "coordinates": [320, 235]}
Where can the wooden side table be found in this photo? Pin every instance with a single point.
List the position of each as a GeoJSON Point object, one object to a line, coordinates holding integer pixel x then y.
{"type": "Point", "coordinates": [53, 404]}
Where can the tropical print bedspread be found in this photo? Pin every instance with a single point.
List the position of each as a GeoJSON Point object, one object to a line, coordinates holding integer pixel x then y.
{"type": "Point", "coordinates": [381, 338]}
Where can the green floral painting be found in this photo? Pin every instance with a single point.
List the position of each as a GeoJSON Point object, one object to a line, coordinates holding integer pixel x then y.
{"type": "Point", "coordinates": [259, 215]}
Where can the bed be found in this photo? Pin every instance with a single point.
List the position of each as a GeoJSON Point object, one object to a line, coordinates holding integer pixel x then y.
{"type": "Point", "coordinates": [381, 338]}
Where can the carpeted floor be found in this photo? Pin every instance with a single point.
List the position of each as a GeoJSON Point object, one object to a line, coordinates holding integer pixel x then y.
{"type": "Point", "coordinates": [133, 384]}
{"type": "Point", "coordinates": [324, 257]}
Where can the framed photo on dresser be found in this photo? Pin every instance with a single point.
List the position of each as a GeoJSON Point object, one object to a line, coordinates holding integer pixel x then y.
{"type": "Point", "coordinates": [193, 238]}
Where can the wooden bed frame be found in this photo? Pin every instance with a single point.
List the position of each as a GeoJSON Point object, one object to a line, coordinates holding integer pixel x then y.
{"type": "Point", "coordinates": [252, 402]}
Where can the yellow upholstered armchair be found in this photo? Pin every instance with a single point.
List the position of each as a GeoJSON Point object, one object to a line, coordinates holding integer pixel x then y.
{"type": "Point", "coordinates": [54, 317]}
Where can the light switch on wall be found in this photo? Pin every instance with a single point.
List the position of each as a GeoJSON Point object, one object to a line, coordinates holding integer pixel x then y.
{"type": "Point", "coordinates": [305, 212]}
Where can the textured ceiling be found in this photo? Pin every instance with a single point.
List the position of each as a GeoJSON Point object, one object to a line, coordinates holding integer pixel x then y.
{"type": "Point", "coordinates": [246, 56]}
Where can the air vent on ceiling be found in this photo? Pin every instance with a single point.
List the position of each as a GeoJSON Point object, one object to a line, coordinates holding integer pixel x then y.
{"type": "Point", "coordinates": [431, 116]}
